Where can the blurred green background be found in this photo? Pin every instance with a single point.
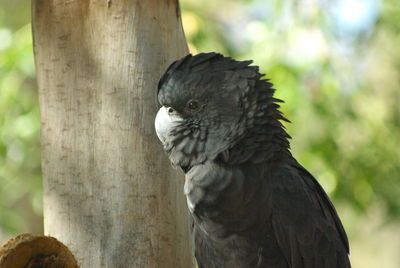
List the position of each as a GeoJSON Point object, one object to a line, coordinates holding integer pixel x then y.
{"type": "Point", "coordinates": [336, 63]}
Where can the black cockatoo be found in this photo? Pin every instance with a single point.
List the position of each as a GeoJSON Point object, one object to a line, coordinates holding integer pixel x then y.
{"type": "Point", "coordinates": [252, 203]}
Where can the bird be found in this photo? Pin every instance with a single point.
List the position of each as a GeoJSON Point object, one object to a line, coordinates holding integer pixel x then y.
{"type": "Point", "coordinates": [251, 203]}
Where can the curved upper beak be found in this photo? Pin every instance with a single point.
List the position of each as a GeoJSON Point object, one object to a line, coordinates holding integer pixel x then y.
{"type": "Point", "coordinates": [165, 122]}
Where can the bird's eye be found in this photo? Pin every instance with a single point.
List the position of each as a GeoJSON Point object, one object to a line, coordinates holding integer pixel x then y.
{"type": "Point", "coordinates": [170, 110]}
{"type": "Point", "coordinates": [193, 105]}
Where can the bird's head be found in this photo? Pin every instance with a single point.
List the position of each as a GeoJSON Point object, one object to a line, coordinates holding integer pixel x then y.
{"type": "Point", "coordinates": [208, 102]}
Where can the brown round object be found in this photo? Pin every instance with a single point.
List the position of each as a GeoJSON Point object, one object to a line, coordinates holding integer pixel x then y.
{"type": "Point", "coordinates": [29, 251]}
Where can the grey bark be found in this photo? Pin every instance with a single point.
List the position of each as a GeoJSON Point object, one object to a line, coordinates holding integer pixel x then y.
{"type": "Point", "coordinates": [109, 192]}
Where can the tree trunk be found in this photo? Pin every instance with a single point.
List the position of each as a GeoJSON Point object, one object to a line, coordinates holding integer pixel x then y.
{"type": "Point", "coordinates": [109, 192]}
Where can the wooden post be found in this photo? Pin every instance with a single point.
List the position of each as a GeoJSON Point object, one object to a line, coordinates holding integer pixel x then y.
{"type": "Point", "coordinates": [109, 192]}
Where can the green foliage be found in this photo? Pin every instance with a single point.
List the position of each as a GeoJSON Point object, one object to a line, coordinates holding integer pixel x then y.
{"type": "Point", "coordinates": [20, 175]}
{"type": "Point", "coordinates": [341, 90]}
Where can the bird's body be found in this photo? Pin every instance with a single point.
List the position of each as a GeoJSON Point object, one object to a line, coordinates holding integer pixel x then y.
{"type": "Point", "coordinates": [252, 203]}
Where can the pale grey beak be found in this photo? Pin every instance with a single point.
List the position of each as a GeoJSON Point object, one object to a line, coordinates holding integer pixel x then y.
{"type": "Point", "coordinates": [165, 122]}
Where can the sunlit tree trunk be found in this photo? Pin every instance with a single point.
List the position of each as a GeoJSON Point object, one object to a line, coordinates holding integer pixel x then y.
{"type": "Point", "coordinates": [109, 192]}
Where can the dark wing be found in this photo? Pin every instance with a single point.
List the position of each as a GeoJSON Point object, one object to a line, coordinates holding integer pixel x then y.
{"type": "Point", "coordinates": [305, 223]}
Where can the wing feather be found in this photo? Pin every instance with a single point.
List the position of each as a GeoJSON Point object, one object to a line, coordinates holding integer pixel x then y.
{"type": "Point", "coordinates": [305, 224]}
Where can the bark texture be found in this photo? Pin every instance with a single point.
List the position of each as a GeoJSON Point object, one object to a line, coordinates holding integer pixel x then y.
{"type": "Point", "coordinates": [109, 192]}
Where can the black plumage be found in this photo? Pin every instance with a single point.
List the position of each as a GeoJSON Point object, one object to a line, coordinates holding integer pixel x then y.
{"type": "Point", "coordinates": [252, 203]}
